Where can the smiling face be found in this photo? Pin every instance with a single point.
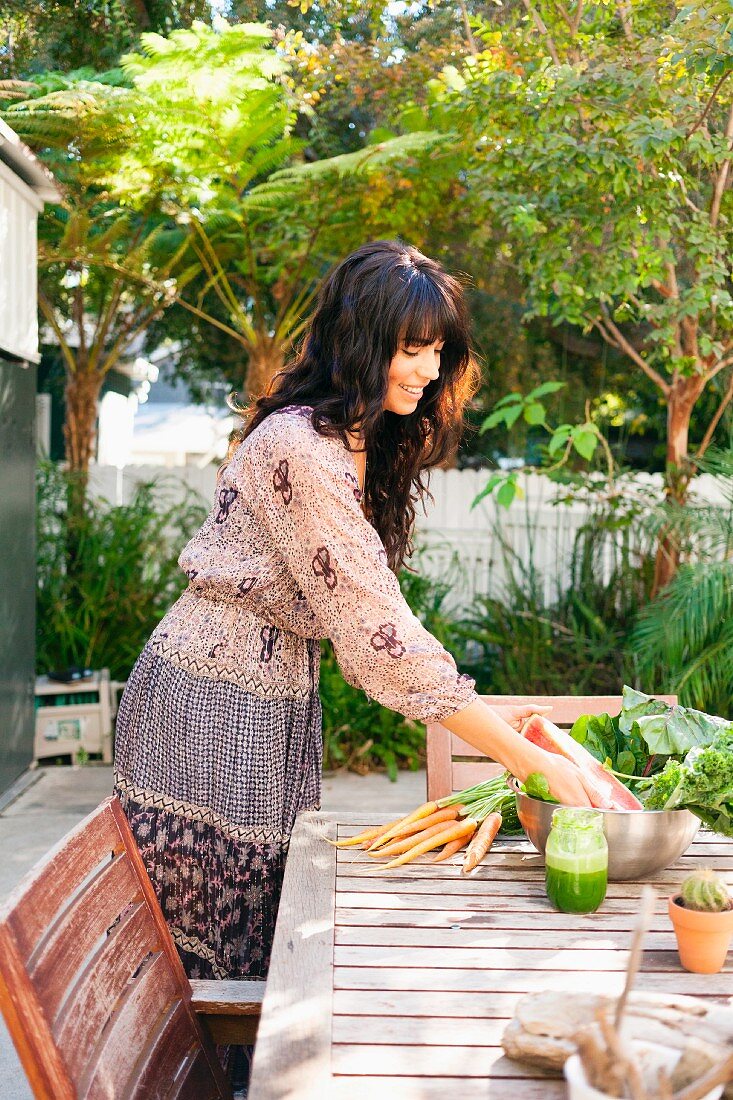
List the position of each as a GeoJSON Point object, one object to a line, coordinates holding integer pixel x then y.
{"type": "Point", "coordinates": [410, 371]}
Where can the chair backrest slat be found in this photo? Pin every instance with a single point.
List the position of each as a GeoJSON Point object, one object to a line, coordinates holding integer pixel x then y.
{"type": "Point", "coordinates": [145, 1005]}
{"type": "Point", "coordinates": [194, 1083]}
{"type": "Point", "coordinates": [99, 989]}
{"type": "Point", "coordinates": [41, 1059]}
{"type": "Point", "coordinates": [468, 775]}
{"type": "Point", "coordinates": [453, 764]}
{"type": "Point", "coordinates": [33, 907]}
{"type": "Point", "coordinates": [167, 1060]}
{"type": "Point", "coordinates": [91, 984]}
{"type": "Point", "coordinates": [73, 936]}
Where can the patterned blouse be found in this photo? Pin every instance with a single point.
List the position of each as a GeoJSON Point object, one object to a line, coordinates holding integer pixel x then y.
{"type": "Point", "coordinates": [288, 542]}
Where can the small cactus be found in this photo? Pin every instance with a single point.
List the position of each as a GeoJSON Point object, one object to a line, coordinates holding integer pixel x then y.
{"type": "Point", "coordinates": [706, 892]}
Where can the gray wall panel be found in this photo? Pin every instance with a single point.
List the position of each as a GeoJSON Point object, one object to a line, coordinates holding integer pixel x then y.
{"type": "Point", "coordinates": [17, 567]}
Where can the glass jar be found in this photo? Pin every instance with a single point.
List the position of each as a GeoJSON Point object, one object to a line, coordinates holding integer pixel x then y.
{"type": "Point", "coordinates": [576, 860]}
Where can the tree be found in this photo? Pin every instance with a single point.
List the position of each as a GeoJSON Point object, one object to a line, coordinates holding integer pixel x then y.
{"type": "Point", "coordinates": [347, 76]}
{"type": "Point", "coordinates": [214, 119]}
{"type": "Point", "coordinates": [263, 228]}
{"type": "Point", "coordinates": [169, 182]}
{"type": "Point", "coordinates": [598, 139]}
{"type": "Point", "coordinates": [105, 271]}
{"type": "Point", "coordinates": [63, 35]}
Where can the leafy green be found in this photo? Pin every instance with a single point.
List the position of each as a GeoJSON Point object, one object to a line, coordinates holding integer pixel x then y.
{"type": "Point", "coordinates": [702, 783]}
{"type": "Point", "coordinates": [601, 736]}
{"type": "Point", "coordinates": [645, 733]}
{"type": "Point", "coordinates": [667, 730]}
{"type": "Point", "coordinates": [663, 786]}
{"type": "Point", "coordinates": [536, 786]}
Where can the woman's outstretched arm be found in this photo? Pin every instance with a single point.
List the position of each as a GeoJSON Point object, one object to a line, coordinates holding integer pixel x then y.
{"type": "Point", "coordinates": [483, 728]}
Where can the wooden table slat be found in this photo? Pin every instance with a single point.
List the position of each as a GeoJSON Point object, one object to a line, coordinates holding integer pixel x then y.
{"type": "Point", "coordinates": [449, 1061]}
{"type": "Point", "coordinates": [388, 906]}
{"type": "Point", "coordinates": [438, 1030]}
{"type": "Point", "coordinates": [497, 958]}
{"type": "Point", "coordinates": [516, 918]}
{"type": "Point", "coordinates": [497, 889]}
{"type": "Point", "coordinates": [439, 979]}
{"type": "Point", "coordinates": [507, 939]}
{"type": "Point", "coordinates": [504, 871]}
{"type": "Point", "coordinates": [443, 1088]}
{"type": "Point", "coordinates": [377, 1002]}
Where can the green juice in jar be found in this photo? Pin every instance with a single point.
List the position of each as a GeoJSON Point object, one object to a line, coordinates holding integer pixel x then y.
{"type": "Point", "coordinates": [576, 860]}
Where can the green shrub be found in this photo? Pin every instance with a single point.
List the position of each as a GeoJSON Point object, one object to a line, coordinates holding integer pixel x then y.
{"type": "Point", "coordinates": [107, 577]}
{"type": "Point", "coordinates": [358, 733]}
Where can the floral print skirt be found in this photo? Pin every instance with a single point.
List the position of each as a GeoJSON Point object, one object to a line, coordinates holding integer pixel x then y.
{"type": "Point", "coordinates": [211, 775]}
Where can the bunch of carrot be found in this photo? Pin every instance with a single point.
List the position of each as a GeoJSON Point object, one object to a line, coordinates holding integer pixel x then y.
{"type": "Point", "coordinates": [472, 817]}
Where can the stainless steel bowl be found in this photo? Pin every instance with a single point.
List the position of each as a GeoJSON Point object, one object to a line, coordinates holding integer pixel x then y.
{"type": "Point", "coordinates": [640, 843]}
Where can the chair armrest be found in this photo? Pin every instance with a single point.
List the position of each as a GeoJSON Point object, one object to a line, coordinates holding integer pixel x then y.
{"type": "Point", "coordinates": [230, 1009]}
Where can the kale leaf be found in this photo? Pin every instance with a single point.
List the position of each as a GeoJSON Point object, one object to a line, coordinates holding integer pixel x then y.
{"type": "Point", "coordinates": [702, 783]}
{"type": "Point", "coordinates": [668, 731]}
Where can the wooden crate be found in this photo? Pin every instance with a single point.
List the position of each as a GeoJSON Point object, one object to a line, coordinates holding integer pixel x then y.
{"type": "Point", "coordinates": [74, 716]}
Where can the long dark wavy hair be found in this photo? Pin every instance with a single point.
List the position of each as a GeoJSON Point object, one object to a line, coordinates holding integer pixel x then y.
{"type": "Point", "coordinates": [382, 296]}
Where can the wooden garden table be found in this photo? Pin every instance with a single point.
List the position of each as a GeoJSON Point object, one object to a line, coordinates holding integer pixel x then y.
{"type": "Point", "coordinates": [397, 985]}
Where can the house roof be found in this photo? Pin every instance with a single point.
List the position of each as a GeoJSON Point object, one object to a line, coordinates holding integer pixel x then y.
{"type": "Point", "coordinates": [26, 165]}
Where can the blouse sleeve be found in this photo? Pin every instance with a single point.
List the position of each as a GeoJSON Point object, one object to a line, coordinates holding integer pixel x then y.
{"type": "Point", "coordinates": [306, 496]}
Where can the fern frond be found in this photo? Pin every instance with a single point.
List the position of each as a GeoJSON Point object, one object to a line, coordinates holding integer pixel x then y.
{"type": "Point", "coordinates": [688, 630]}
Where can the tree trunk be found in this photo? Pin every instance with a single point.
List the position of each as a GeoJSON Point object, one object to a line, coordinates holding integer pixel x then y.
{"type": "Point", "coordinates": [82, 394]}
{"type": "Point", "coordinates": [682, 398]}
{"type": "Point", "coordinates": [265, 360]}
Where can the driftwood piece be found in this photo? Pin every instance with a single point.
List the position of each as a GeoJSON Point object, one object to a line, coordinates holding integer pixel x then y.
{"type": "Point", "coordinates": [544, 1024]}
{"type": "Point", "coordinates": [698, 1058]}
{"type": "Point", "coordinates": [642, 924]}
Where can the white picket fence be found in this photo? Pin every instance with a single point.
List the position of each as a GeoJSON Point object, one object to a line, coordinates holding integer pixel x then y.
{"type": "Point", "coordinates": [463, 545]}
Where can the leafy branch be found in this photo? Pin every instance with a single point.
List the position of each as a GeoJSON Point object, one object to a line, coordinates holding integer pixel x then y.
{"type": "Point", "coordinates": [583, 439]}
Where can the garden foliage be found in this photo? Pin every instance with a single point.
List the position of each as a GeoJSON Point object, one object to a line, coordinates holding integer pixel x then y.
{"type": "Point", "coordinates": [107, 575]}
{"type": "Point", "coordinates": [685, 636]}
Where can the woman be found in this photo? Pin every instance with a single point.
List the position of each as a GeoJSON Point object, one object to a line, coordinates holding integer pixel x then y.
{"type": "Point", "coordinates": [219, 729]}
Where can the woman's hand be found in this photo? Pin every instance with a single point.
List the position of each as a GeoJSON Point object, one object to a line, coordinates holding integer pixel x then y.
{"type": "Point", "coordinates": [516, 716]}
{"type": "Point", "coordinates": [568, 784]}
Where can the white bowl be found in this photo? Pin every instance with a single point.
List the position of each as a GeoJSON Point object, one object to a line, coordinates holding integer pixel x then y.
{"type": "Point", "coordinates": [651, 1057]}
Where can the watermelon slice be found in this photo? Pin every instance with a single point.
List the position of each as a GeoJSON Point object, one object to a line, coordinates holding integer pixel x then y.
{"type": "Point", "coordinates": [612, 795]}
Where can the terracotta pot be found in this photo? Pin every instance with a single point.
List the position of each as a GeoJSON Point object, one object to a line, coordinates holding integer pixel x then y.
{"type": "Point", "coordinates": [702, 938]}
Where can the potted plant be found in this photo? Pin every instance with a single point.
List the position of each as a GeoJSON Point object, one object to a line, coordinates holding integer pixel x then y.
{"type": "Point", "coordinates": [702, 915]}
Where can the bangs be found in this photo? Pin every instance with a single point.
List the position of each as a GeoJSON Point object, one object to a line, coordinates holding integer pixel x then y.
{"type": "Point", "coordinates": [429, 314]}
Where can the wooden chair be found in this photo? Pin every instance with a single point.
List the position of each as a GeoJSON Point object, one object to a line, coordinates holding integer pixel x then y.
{"type": "Point", "coordinates": [453, 764]}
{"type": "Point", "coordinates": [92, 987]}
